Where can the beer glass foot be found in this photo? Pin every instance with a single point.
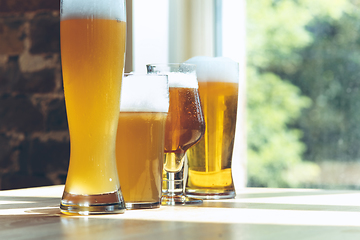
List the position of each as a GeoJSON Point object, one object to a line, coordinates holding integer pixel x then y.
{"type": "Point", "coordinates": [173, 193]}
{"type": "Point", "coordinates": [210, 195]}
{"type": "Point", "coordinates": [76, 204]}
{"type": "Point", "coordinates": [141, 205]}
{"type": "Point", "coordinates": [172, 200]}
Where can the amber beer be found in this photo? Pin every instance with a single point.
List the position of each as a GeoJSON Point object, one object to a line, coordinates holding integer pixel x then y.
{"type": "Point", "coordinates": [183, 127]}
{"type": "Point", "coordinates": [92, 52]}
{"type": "Point", "coordinates": [140, 139]}
{"type": "Point", "coordinates": [209, 173]}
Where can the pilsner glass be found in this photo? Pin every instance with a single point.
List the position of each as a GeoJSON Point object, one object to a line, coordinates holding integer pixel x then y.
{"type": "Point", "coordinates": [140, 139]}
{"type": "Point", "coordinates": [210, 175]}
{"type": "Point", "coordinates": [92, 53]}
{"type": "Point", "coordinates": [184, 127]}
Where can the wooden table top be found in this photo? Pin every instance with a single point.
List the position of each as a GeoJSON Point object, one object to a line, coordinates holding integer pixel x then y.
{"type": "Point", "coordinates": [256, 213]}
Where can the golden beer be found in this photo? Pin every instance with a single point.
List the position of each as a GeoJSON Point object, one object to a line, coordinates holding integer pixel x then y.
{"type": "Point", "coordinates": [184, 126]}
{"type": "Point", "coordinates": [92, 52]}
{"type": "Point", "coordinates": [139, 154]}
{"type": "Point", "coordinates": [209, 172]}
{"type": "Point", "coordinates": [92, 35]}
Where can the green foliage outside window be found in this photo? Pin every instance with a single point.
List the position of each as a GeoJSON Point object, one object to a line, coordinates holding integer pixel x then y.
{"type": "Point", "coordinates": [303, 79]}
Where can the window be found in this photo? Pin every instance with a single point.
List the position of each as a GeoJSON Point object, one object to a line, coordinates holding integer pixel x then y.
{"type": "Point", "coordinates": [303, 99]}
{"type": "Point", "coordinates": [176, 30]}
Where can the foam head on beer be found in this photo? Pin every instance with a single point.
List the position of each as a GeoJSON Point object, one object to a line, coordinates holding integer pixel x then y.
{"type": "Point", "coordinates": [83, 9]}
{"type": "Point", "coordinates": [215, 69]}
{"type": "Point", "coordinates": [182, 80]}
{"type": "Point", "coordinates": [179, 75]}
{"type": "Point", "coordinates": [144, 93]}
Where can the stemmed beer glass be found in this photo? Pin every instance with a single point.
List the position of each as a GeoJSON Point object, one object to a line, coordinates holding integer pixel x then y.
{"type": "Point", "coordinates": [93, 37]}
{"type": "Point", "coordinates": [184, 127]}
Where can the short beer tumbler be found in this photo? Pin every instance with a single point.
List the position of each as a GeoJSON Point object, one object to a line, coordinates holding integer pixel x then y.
{"type": "Point", "coordinates": [140, 139]}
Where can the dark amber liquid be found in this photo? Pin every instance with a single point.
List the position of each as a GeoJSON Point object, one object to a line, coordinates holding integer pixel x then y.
{"type": "Point", "coordinates": [184, 125]}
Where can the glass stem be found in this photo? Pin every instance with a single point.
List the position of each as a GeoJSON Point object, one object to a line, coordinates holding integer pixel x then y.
{"type": "Point", "coordinates": [173, 183]}
{"type": "Point", "coordinates": [173, 175]}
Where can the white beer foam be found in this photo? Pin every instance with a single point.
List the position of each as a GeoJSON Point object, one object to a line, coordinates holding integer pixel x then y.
{"type": "Point", "coordinates": [215, 69]}
{"type": "Point", "coordinates": [83, 9]}
{"type": "Point", "coordinates": [144, 93]}
{"type": "Point", "coordinates": [182, 80]}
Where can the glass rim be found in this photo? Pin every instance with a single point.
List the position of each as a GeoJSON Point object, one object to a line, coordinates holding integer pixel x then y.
{"type": "Point", "coordinates": [135, 74]}
{"type": "Point", "coordinates": [171, 64]}
{"type": "Point", "coordinates": [164, 68]}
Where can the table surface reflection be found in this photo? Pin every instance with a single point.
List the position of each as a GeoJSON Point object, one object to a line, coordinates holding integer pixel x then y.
{"type": "Point", "coordinates": [256, 213]}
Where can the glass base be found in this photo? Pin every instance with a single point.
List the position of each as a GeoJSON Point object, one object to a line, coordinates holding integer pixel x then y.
{"type": "Point", "coordinates": [210, 195]}
{"type": "Point", "coordinates": [141, 205]}
{"type": "Point", "coordinates": [181, 199]}
{"type": "Point", "coordinates": [75, 204]}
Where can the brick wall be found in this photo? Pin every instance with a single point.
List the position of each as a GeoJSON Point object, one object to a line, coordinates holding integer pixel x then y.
{"type": "Point", "coordinates": [34, 140]}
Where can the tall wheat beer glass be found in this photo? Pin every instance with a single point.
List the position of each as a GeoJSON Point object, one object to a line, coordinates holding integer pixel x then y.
{"type": "Point", "coordinates": [140, 139]}
{"type": "Point", "coordinates": [184, 127]}
{"type": "Point", "coordinates": [210, 175]}
{"type": "Point", "coordinates": [92, 53]}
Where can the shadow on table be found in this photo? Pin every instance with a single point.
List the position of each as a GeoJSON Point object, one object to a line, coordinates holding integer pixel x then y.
{"type": "Point", "coordinates": [50, 224]}
{"type": "Point", "coordinates": [50, 206]}
{"type": "Point", "coordinates": [244, 200]}
{"type": "Point", "coordinates": [41, 218]}
{"type": "Point", "coordinates": [11, 202]}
